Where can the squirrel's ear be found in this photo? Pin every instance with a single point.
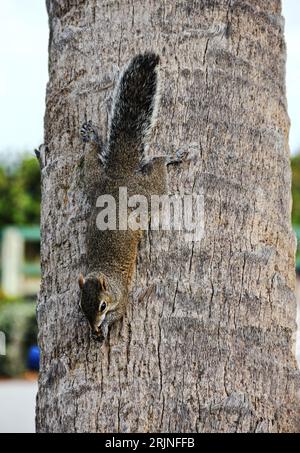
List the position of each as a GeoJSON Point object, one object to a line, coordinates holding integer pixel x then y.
{"type": "Point", "coordinates": [81, 281]}
{"type": "Point", "coordinates": [103, 282]}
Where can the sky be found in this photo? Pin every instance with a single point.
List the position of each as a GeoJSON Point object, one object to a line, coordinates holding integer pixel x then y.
{"type": "Point", "coordinates": [24, 73]}
{"type": "Point", "coordinates": [291, 12]}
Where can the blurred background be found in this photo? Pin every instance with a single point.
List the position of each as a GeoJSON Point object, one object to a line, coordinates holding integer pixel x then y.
{"type": "Point", "coordinates": [23, 78]}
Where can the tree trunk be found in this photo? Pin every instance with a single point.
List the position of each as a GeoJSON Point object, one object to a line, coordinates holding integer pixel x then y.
{"type": "Point", "coordinates": [207, 343]}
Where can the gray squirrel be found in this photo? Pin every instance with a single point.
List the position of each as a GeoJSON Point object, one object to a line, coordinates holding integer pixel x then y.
{"type": "Point", "coordinates": [111, 254]}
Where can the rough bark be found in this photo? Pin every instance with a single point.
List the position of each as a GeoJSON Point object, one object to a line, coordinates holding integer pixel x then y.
{"type": "Point", "coordinates": [207, 341]}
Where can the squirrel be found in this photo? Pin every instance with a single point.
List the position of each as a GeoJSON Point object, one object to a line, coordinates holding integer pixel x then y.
{"type": "Point", "coordinates": [120, 162]}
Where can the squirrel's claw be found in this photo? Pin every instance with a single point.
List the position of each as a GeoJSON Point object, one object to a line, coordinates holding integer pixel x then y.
{"type": "Point", "coordinates": [89, 133]}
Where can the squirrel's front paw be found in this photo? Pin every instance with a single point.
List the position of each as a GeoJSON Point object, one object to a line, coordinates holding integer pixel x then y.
{"type": "Point", "coordinates": [102, 335]}
{"type": "Point", "coordinates": [104, 329]}
{"type": "Point", "coordinates": [98, 338]}
{"type": "Point", "coordinates": [89, 133]}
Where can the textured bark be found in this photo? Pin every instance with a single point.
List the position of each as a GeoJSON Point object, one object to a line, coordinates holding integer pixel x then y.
{"type": "Point", "coordinates": [207, 341]}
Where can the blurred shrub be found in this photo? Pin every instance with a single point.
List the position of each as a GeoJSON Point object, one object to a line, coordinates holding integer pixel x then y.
{"type": "Point", "coordinates": [20, 196]}
{"type": "Point", "coordinates": [20, 193]}
{"type": "Point", "coordinates": [296, 189]}
{"type": "Point", "coordinates": [18, 322]}
{"type": "Point", "coordinates": [295, 161]}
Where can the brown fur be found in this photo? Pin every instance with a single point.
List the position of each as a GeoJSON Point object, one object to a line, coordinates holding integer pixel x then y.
{"type": "Point", "coordinates": [111, 255]}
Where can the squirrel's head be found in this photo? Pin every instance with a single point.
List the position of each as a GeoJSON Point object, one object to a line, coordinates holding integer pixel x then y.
{"type": "Point", "coordinates": [96, 301]}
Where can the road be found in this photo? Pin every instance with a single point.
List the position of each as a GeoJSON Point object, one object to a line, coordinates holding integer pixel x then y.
{"type": "Point", "coordinates": [17, 406]}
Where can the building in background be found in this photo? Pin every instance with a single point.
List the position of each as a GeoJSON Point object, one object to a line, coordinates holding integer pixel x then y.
{"type": "Point", "coordinates": [20, 261]}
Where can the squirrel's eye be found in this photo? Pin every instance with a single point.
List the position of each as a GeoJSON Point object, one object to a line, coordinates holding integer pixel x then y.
{"type": "Point", "coordinates": [103, 306]}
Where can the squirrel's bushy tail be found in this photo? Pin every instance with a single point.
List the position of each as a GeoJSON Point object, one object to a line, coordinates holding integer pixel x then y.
{"type": "Point", "coordinates": [133, 114]}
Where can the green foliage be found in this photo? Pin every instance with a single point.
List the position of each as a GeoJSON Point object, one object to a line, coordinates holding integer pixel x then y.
{"type": "Point", "coordinates": [295, 161]}
{"type": "Point", "coordinates": [20, 193]}
{"type": "Point", "coordinates": [296, 189]}
{"type": "Point", "coordinates": [18, 322]}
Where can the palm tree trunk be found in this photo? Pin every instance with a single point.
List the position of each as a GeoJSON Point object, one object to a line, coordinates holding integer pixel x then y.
{"type": "Point", "coordinates": [207, 341]}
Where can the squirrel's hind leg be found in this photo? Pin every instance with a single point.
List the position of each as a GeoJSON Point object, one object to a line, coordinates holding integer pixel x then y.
{"type": "Point", "coordinates": [152, 163]}
{"type": "Point", "coordinates": [89, 133]}
{"type": "Point", "coordinates": [155, 163]}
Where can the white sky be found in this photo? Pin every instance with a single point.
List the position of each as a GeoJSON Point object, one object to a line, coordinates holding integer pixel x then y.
{"type": "Point", "coordinates": [291, 12]}
{"type": "Point", "coordinates": [23, 73]}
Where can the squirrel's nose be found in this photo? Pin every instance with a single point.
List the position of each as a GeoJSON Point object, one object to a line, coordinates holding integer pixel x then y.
{"type": "Point", "coordinates": [96, 331]}
{"type": "Point", "coordinates": [96, 335]}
